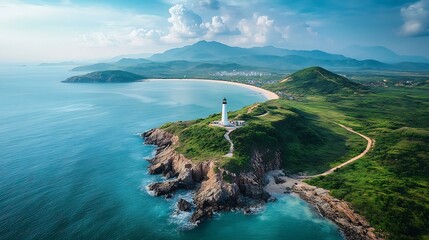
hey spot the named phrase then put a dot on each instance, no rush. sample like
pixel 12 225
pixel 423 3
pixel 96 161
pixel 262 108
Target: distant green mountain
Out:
pixel 110 76
pixel 215 51
pixel 315 80
pixel 96 67
pixel 126 62
pixel 179 62
pixel 122 63
pixel 201 51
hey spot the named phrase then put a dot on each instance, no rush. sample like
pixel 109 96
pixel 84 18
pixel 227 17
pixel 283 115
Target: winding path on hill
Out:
pixel 290 181
pixel 226 135
pixel 231 147
pixel 249 110
pixel 370 143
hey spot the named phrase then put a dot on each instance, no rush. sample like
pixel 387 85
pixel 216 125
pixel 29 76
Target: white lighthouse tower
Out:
pixel 224 120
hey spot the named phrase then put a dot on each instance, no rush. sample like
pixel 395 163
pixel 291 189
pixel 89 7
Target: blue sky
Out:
pixel 49 30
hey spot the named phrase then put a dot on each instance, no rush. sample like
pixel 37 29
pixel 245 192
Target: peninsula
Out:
pixel 317 132
pixel 108 76
pixel 199 155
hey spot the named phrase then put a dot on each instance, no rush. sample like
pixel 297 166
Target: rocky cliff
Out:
pixel 216 189
pixel 354 226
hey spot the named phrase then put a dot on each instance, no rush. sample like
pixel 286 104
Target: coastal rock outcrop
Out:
pixel 353 225
pixel 184 205
pixel 216 189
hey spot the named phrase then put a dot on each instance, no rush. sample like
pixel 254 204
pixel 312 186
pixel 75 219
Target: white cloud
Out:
pixel 45 32
pixel 217 27
pixel 50 32
pixel 185 24
pixel 133 37
pixel 416 19
pixel 259 30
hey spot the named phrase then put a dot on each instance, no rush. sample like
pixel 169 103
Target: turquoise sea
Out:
pixel 72 164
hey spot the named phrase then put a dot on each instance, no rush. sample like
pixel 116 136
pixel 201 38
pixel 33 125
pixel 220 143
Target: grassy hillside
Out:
pixel 198 140
pixel 304 141
pixel 186 69
pixel 110 76
pixel 390 186
pixel 315 80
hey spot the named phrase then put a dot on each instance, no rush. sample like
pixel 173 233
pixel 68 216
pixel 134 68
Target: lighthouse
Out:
pixel 224 120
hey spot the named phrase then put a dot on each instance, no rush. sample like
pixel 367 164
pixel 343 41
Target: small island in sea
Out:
pixel 108 76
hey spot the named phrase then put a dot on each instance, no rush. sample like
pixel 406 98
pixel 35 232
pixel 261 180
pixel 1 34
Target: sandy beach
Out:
pixel 268 94
pixel 279 188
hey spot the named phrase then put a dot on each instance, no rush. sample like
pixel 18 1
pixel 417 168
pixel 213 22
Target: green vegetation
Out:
pixel 389 186
pixel 315 80
pixel 256 66
pixel 198 140
pixel 304 142
pixel 110 76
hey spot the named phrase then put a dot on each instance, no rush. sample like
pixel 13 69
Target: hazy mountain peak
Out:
pixel 380 53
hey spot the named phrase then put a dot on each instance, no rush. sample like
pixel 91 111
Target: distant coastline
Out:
pixel 267 94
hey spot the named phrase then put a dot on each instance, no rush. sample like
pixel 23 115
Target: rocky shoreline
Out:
pixel 216 189
pixel 353 225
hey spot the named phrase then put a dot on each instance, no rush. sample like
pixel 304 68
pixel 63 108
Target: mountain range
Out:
pixel 268 58
pixel 215 51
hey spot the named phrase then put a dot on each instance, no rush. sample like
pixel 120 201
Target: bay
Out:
pixel 73 165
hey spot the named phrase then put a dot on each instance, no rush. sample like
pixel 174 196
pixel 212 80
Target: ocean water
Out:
pixel 72 164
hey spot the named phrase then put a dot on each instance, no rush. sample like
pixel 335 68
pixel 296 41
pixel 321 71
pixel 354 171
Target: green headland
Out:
pixel 108 76
pixel 389 185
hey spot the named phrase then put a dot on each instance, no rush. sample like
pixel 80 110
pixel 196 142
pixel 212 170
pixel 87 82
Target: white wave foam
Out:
pixel 74 107
pixel 182 220
pixel 150 192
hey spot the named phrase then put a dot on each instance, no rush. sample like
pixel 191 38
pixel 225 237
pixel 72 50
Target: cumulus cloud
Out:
pixel 217 27
pixel 416 19
pixel 185 24
pixel 259 30
pixel 142 37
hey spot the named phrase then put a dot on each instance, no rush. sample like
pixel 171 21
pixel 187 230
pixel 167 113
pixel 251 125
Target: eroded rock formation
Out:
pixel 216 188
pixel 353 225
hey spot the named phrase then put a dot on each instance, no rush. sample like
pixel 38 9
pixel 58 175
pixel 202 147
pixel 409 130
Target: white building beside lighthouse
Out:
pixel 224 120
